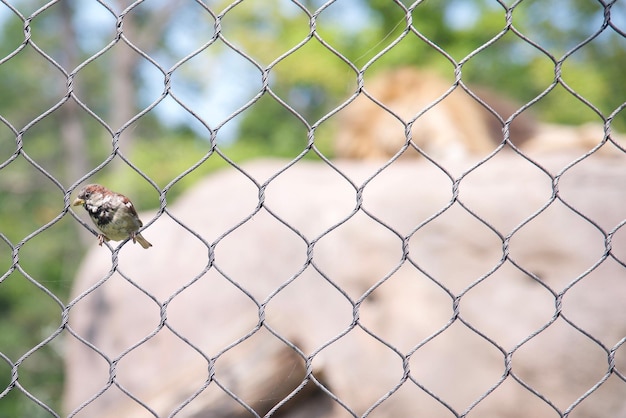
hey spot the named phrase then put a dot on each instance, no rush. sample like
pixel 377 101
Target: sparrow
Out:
pixel 113 214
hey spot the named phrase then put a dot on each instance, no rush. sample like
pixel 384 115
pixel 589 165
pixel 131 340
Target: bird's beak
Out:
pixel 78 201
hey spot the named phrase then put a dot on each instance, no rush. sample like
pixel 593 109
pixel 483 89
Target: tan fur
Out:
pixel 552 138
pixel 456 126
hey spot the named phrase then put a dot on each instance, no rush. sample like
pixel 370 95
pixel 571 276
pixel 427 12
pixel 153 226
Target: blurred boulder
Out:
pixel 389 295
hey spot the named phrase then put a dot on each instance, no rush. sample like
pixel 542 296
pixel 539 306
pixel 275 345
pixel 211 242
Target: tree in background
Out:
pixel 518 62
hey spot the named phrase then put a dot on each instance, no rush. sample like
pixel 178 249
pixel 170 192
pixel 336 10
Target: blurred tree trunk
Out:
pixel 75 152
pixel 123 89
pixel 72 131
pixel 144 30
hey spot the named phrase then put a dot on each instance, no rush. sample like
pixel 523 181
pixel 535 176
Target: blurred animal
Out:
pixel 554 138
pixel 456 127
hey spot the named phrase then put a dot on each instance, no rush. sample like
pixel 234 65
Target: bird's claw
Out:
pixel 101 239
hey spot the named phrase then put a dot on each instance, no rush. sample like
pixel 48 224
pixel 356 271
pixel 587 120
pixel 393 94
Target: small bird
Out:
pixel 113 214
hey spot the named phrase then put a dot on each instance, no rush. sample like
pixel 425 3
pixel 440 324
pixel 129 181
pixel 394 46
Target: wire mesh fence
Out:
pixel 460 259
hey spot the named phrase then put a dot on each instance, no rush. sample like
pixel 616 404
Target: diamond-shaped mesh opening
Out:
pixel 436 228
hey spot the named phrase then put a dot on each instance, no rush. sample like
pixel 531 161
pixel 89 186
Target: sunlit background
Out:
pixel 179 88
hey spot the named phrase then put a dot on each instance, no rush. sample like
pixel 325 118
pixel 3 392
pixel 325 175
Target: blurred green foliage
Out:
pixel 305 88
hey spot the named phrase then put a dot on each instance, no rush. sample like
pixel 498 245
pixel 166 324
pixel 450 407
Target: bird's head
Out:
pixel 91 194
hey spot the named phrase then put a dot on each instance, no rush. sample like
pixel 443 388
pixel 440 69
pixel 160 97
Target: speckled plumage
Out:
pixel 113 214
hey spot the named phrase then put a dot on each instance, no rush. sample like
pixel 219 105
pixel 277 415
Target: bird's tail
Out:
pixel 142 241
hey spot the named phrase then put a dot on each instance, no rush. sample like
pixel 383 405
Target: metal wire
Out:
pixel 358 188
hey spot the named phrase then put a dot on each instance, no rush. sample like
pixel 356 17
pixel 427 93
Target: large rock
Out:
pixel 383 290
